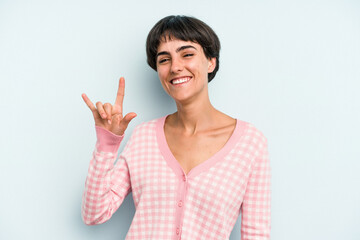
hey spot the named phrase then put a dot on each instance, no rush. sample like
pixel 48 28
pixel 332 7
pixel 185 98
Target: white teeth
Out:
pixel 180 80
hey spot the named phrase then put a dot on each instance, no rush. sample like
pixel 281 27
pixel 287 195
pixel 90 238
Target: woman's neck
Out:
pixel 194 116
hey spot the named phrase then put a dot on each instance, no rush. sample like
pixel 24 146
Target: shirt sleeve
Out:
pixel 106 185
pixel 255 217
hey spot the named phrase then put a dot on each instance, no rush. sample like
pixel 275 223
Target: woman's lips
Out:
pixel 180 80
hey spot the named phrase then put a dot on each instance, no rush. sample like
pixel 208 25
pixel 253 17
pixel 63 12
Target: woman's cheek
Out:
pixel 162 79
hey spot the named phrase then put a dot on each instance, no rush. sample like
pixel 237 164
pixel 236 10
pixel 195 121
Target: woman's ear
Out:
pixel 212 64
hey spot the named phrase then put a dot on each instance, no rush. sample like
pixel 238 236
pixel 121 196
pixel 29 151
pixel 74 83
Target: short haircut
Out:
pixel 187 29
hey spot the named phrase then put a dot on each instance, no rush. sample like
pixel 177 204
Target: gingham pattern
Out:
pixel 204 204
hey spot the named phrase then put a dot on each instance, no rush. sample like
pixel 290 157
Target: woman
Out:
pixel 192 172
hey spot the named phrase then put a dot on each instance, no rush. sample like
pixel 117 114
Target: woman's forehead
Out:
pixel 170 43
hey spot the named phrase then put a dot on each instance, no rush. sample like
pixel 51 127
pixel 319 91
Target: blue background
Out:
pixel 292 68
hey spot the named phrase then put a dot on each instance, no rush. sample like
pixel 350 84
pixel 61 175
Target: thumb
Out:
pixel 126 120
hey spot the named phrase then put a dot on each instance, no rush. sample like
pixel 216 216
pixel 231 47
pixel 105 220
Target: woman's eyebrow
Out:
pixel 185 47
pixel 177 50
pixel 162 53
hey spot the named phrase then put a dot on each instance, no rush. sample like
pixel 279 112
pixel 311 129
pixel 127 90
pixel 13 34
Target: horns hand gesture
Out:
pixel 110 116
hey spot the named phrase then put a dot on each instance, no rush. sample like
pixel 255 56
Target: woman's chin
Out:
pixel 183 99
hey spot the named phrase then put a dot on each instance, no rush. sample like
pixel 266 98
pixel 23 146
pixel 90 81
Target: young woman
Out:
pixel 192 172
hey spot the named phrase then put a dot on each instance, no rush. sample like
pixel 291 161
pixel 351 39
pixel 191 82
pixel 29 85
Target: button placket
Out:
pixel 180 203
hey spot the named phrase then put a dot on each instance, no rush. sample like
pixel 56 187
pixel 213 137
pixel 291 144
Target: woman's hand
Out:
pixel 110 116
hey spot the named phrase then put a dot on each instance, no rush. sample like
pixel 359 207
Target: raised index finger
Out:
pixel 120 93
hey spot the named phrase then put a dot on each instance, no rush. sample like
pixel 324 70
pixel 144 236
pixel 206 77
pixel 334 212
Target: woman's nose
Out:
pixel 176 65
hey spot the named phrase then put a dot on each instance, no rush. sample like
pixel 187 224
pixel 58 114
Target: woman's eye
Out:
pixel 163 60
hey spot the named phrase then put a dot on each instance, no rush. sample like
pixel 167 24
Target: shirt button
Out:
pixel 177 231
pixel 184 178
pixel 180 203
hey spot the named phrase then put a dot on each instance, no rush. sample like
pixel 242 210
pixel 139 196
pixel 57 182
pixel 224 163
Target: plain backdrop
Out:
pixel 292 68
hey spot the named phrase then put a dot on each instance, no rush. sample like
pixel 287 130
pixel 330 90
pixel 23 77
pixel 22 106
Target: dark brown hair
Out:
pixel 187 29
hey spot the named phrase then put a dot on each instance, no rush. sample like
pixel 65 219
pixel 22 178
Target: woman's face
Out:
pixel 183 69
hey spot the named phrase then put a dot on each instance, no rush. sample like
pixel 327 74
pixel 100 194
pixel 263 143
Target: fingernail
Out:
pixel 109 121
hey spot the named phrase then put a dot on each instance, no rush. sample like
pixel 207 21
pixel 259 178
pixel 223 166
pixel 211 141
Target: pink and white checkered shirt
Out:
pixel 204 204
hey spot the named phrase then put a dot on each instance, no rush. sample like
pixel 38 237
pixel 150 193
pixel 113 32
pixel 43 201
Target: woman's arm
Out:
pixel 255 219
pixel 107 184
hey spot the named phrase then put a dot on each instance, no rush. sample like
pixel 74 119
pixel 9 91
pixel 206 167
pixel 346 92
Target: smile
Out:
pixel 180 80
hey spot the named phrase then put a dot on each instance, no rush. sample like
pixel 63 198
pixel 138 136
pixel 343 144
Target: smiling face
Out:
pixel 183 69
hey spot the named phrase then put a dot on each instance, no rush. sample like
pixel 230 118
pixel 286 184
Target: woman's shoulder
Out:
pixel 252 133
pixel 148 127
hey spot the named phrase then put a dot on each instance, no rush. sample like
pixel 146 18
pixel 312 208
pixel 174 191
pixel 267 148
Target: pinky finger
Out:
pixel 90 105
pixel 88 102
